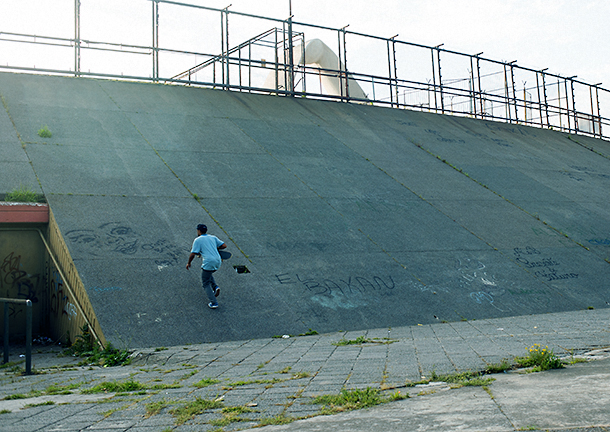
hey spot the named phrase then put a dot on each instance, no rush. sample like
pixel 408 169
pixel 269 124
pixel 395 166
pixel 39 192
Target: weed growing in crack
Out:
pixel 348 400
pixel 44 132
pixel 189 410
pixel 205 382
pixel 360 340
pixel 539 359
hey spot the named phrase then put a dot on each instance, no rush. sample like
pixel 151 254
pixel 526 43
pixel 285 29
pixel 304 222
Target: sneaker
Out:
pixel 216 291
pixel 212 306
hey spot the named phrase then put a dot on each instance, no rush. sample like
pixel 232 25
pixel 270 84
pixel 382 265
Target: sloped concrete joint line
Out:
pixel 174 173
pixel 545 283
pixel 8 113
pixel 574 140
pixel 558 231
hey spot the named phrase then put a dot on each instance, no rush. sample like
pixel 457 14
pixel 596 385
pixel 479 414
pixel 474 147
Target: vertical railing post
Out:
pixel 434 79
pixel 77 37
pixel 565 84
pixel 28 331
pixel 6 317
pixel 28 337
pixel 276 62
pixel 345 63
pixel 480 89
pixel 512 77
pixel 440 76
pixel 507 112
pixel 539 98
pixel 472 90
pixel 155 37
pixel 222 48
pixel 576 127
pixel 599 116
pixel 592 110
pixel 227 61
pixel 290 58
pixel 546 103
pixel 390 74
pixel 396 89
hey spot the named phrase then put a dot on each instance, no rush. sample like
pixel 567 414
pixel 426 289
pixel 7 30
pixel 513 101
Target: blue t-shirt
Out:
pixel 207 245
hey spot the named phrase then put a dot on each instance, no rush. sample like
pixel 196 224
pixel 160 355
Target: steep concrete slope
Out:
pixel 346 216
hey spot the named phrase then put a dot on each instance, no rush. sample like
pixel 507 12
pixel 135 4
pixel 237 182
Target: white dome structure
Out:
pixel 318 54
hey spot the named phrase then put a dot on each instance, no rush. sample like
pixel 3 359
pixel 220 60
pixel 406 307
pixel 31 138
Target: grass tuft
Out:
pixel 44 132
pixel 190 410
pixel 279 419
pixel 360 340
pixel 348 400
pixel 22 194
pixel 205 382
pixel 84 346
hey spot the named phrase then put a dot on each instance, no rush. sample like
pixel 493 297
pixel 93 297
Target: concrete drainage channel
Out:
pixel 241 269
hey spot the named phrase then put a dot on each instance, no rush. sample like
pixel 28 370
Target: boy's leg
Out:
pixel 214 286
pixel 207 281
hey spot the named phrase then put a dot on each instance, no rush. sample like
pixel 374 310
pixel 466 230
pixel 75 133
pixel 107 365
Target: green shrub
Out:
pixel 84 346
pixel 22 194
pixel 539 359
pixel 44 132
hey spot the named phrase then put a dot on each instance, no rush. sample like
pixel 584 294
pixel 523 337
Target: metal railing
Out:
pixel 391 72
pixel 28 331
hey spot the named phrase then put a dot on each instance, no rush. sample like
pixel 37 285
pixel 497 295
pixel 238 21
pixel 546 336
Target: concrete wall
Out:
pixel 27 271
pixel 23 276
pixel 347 216
pixel 69 305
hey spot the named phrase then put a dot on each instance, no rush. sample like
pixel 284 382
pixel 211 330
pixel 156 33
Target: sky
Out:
pixel 569 37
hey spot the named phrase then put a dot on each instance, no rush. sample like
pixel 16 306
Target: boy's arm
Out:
pixel 191 257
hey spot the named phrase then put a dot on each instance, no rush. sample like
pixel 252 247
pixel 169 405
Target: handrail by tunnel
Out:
pixel 28 331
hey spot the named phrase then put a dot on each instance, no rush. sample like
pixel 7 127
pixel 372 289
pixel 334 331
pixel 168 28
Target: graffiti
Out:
pixel 19 283
pixel 548 267
pixel 551 275
pixel 599 242
pixel 60 303
pixel 346 293
pixel 589 171
pixel 546 262
pixel 527 251
pixel 571 176
pixel 472 271
pixel 115 237
pixel 109 236
pixel 59 300
pixel 484 297
pixel 474 275
pixel 351 285
pixel 70 311
pixel 511 129
pixel 441 138
pixel 500 142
